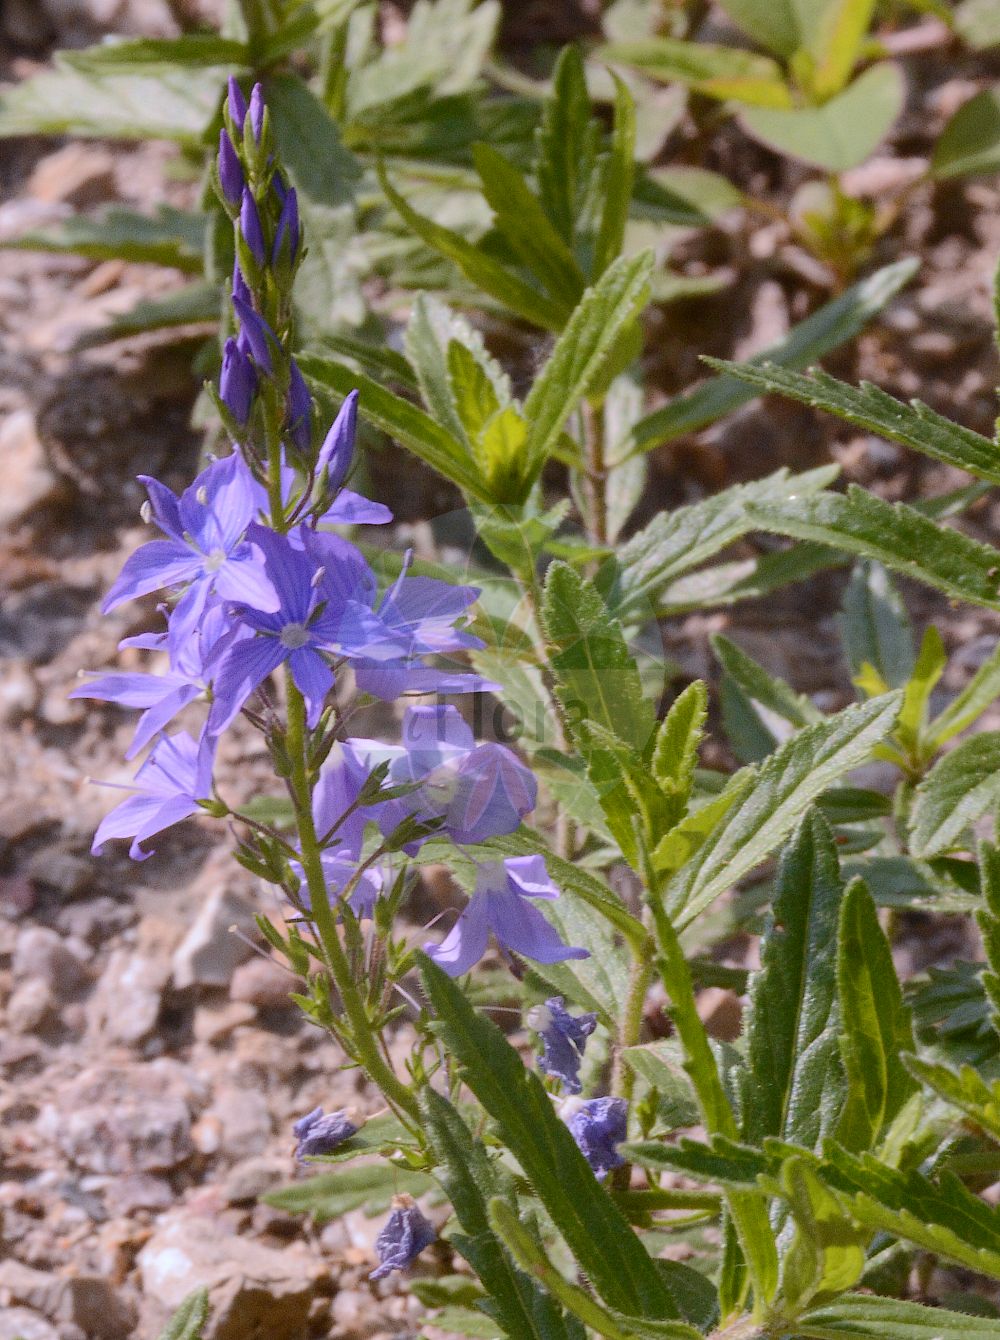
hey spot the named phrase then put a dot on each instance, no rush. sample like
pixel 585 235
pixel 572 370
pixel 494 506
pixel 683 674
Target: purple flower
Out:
pixel 257 111
pixel 255 334
pixel 237 382
pixel 317 614
pixel 237 103
pixel 287 230
pixel 598 1126
pixel 250 227
pixel 405 1235
pixel 337 451
pixel 167 789
pixel 564 1038
pixel 230 171
pixel 240 287
pixel 318 1133
pixel 298 409
pixel 351 509
pixel 206 548
pixel 499 904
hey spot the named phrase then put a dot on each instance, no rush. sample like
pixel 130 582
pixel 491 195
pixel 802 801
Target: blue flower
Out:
pixel 318 614
pixel 499 904
pixel 167 788
pixel 230 171
pixel 237 382
pixel 564 1038
pixel 598 1126
pixel 405 1235
pixel 207 550
pixel 318 1133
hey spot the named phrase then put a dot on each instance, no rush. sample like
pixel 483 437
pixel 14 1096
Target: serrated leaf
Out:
pixel 189 1320
pixel 866 406
pixel 566 144
pixel 840 133
pixel 981 692
pixel 675 752
pixel 331 1195
pixel 724 1163
pixel 875 1025
pixel 958 790
pixel 964 1088
pixel 794 1082
pixel 464 1321
pixel 171 105
pixel 870 1317
pixel 582 351
pixel 717 71
pixel 171 237
pixel 833 324
pixel 194 304
pixel 191 50
pixel 725 584
pixel 479 268
pixel 970 142
pixel 382 1134
pixel 825 1253
pixel 893 533
pixel 401 420
pixel 988 921
pixel 874 626
pixel 471 1179
pixel 786 785
pixel 762 689
pixel 675 542
pixel 679 846
pixel 595 1230
pixel 618 180
pixel 309 142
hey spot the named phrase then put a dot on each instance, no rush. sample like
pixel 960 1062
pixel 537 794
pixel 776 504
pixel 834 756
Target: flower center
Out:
pixel 215 560
pixel 294 635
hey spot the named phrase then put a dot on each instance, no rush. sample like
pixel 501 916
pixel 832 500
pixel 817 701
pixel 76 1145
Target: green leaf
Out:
pixel 331 1195
pixel 964 1088
pixel 825 1254
pixel 471 1179
pixel 170 237
pixel 680 844
pixel 867 406
pixel 840 133
pixel 978 23
pixel 191 51
pixel 794 1083
pixel 189 1319
pixel 870 1317
pixel 426 342
pixel 895 534
pixel 958 790
pixel 970 142
pixel 608 1251
pixel 981 692
pixel 716 71
pixel 526 228
pixel 834 32
pixel 619 178
pixel 597 675
pixel 194 304
pixel 659 1064
pixel 875 1026
pixel 874 626
pixel 675 542
pixel 582 351
pixel 170 105
pixel 675 753
pixel 464 1321
pixel 566 144
pixel 309 143
pixel 786 785
pixel 399 419
pixel 383 1134
pixel 479 268
pixel 773 25
pixel 762 688
pixel 833 324
pixel 724 584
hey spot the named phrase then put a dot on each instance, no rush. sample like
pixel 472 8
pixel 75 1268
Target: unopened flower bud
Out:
pixel 287 231
pixel 230 171
pixel 255 335
pixel 238 382
pixel 250 227
pixel 298 424
pixel 257 112
pixel 237 103
pixel 337 451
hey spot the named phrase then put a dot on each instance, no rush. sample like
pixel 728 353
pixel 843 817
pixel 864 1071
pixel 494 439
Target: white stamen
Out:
pixel 202 496
pixel 146 511
pixel 317 577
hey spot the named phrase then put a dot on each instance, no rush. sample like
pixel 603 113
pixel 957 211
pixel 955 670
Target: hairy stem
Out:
pixel 596 478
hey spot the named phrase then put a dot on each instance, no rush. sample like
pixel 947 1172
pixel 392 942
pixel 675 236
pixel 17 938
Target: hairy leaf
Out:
pixel 330 1195
pixel 870 1317
pixel 958 790
pixel 874 626
pixel 981 692
pixel 189 1320
pixel 170 237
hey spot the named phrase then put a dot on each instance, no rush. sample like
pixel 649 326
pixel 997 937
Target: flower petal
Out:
pixel 155 565
pixel 164 506
pixel 521 927
pixel 351 509
pixel 245 665
pixel 243 580
pixel 466 942
pixel 314 679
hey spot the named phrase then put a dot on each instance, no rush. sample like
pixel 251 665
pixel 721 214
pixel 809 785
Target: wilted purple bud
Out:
pixel 318 1133
pixel 564 1038
pixel 230 172
pixel 257 111
pixel 337 451
pixel 405 1235
pixel 238 382
pixel 250 227
pixel 255 334
pixel 598 1126
pixel 298 408
pixel 237 103
pixel 288 226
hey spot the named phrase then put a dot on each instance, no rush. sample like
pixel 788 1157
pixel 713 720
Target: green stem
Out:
pixel 363 1037
pixel 630 1027
pixel 597 475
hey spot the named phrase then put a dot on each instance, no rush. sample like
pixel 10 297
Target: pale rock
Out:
pixel 25 25
pixel 82 1300
pixel 249 1180
pixel 210 952
pixel 126 1004
pixel 17 1323
pixel 244 1120
pixel 40 954
pixel 125 1119
pixel 253 1289
pixel 77 174
pixel 30 1006
pixel 215 1024
pixel 142 1191
pixel 263 982
pixel 18 692
pixel 65 872
pixel 28 480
